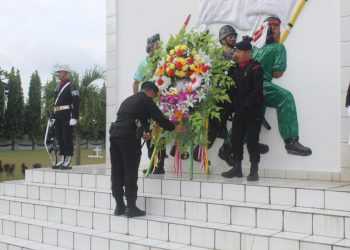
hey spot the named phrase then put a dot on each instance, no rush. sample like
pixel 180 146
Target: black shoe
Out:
pixel 63 167
pixel 185 156
pixel 263 148
pixel 55 167
pixel 226 154
pixel 134 212
pixel 294 147
pixel 119 211
pixel 159 170
pixel 172 150
pixel 236 171
pixel 253 175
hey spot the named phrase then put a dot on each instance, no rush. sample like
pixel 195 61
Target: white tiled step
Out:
pixel 205 235
pixel 13 243
pixel 282 218
pixel 303 193
pixel 79 238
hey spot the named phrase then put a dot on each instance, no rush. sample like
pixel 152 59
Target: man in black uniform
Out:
pixel 125 146
pixel 66 115
pixel 248 104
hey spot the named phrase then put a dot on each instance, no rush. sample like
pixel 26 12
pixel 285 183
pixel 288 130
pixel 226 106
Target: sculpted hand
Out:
pixel 146 136
pixel 73 122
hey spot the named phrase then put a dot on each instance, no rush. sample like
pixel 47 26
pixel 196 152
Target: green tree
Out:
pixel 14 114
pixel 33 109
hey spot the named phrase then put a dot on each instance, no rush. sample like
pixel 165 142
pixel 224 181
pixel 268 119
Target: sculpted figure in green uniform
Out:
pixel 272 57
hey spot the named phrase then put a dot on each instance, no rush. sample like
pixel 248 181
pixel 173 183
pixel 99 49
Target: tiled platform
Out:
pixel 74 210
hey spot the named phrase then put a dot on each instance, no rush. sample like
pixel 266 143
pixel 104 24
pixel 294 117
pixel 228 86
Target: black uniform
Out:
pixel 66 106
pixel 347 102
pixel 248 105
pixel 125 148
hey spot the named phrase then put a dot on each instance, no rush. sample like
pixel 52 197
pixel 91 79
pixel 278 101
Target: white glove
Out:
pixel 73 122
pixel 52 122
pixel 348 110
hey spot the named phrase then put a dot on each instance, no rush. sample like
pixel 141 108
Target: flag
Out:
pixel 225 11
pixel 243 14
pixel 279 8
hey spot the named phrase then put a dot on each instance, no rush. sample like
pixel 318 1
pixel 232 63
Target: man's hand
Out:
pixel 73 122
pixel 146 136
pixel 52 122
pixel 180 128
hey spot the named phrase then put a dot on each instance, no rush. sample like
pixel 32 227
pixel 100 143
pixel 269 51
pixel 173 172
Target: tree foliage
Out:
pixel 33 108
pixel 14 114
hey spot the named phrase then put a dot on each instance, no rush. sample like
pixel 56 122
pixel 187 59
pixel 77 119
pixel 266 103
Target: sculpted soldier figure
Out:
pixel 272 57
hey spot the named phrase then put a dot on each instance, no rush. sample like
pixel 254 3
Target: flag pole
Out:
pixel 293 20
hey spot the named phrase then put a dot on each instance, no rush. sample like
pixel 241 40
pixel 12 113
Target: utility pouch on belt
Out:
pixel 113 125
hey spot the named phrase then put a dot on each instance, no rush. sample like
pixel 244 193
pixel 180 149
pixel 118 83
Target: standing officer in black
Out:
pixel 125 146
pixel 66 115
pixel 248 104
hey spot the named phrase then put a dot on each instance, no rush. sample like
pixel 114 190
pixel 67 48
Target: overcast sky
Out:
pixel 37 34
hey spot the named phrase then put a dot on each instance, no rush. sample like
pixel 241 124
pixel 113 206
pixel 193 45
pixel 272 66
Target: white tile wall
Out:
pixel 72 196
pixel 27 210
pixel 101 222
pixel 21 191
pixel 49 177
pixel 202 237
pixel 285 244
pixel 45 194
pixel 233 192
pixel 219 213
pixel 243 216
pixel 225 240
pixel 75 179
pixel 270 219
pixel 38 176
pixel 282 196
pixel 174 208
pixel 103 200
pixel 347 228
pixel 313 246
pixel 62 178
pixel 87 198
pixel 98 243
pixel 89 180
pixel 310 198
pixel 33 192
pixel 58 195
pixel 253 242
pixel 337 200
pixel 180 233
pixel 138 227
pixel 153 186
pixel 190 188
pixel 40 212
pixel 54 214
pixel 158 230
pixel 22 231
pixel 118 245
pixel 65 239
pixel 81 241
pixel 328 226
pixel 50 236
pixel 10 189
pixel 103 181
pixel 15 208
pixel 298 222
pixel 211 190
pixel 196 211
pixel 119 224
pixel 84 219
pixel 171 187
pixel 257 194
pixel 4 207
pixel 155 206
pixel 35 233
pixel 69 217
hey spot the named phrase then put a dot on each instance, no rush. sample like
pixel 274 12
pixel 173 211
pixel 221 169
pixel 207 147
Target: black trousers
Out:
pixel 125 158
pixel 161 153
pixel 246 128
pixel 64 136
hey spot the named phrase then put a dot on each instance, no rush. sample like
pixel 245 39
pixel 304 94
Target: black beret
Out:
pixel 150 85
pixel 243 45
pixel 153 39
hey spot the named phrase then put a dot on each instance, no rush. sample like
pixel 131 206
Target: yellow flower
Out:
pixel 192 67
pixel 183 47
pixel 172 66
pixel 181 60
pixel 177 47
pixel 172 52
pixel 194 52
pixel 185 67
pixel 168 58
pixel 180 73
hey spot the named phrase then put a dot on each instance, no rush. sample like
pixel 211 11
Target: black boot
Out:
pixel 132 210
pixel 225 153
pixel 172 150
pixel 294 147
pixel 120 206
pixel 236 171
pixel 263 148
pixel 253 175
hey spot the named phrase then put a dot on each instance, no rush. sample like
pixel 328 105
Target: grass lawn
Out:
pixel 39 156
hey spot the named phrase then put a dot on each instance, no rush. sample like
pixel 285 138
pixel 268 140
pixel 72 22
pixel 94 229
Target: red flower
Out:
pixel 171 59
pixel 193 80
pixel 160 82
pixel 190 60
pixel 205 68
pixel 179 65
pixel 171 72
pixel 179 52
pixel 188 73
